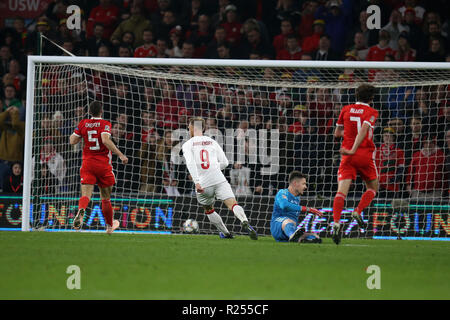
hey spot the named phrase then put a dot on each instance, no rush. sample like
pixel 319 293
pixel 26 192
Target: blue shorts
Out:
pixel 277 231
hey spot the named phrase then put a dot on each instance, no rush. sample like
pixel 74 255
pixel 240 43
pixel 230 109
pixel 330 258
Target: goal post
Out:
pixel 27 165
pixel 271 117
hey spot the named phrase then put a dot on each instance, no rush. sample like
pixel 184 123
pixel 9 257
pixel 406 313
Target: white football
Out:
pixel 190 226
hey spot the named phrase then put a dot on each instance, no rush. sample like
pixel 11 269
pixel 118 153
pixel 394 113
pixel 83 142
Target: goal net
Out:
pixel 270 117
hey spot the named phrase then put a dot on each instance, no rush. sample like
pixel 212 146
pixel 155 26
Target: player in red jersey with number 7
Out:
pixel 96 167
pixel 355 124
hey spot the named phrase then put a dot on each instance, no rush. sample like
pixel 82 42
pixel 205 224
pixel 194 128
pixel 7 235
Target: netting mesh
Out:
pixel 269 122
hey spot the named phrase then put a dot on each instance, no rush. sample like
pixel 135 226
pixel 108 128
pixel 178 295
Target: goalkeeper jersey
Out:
pixel 286 205
pixel 205 160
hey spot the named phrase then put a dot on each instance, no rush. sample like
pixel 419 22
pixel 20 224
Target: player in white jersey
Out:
pixel 205 161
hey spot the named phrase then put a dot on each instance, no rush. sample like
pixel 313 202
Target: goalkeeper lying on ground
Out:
pixel 286 210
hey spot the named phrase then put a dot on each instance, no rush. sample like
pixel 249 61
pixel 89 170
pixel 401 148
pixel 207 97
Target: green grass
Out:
pixel 134 266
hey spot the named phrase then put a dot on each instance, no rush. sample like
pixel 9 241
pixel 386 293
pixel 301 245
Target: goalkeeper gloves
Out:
pixel 312 210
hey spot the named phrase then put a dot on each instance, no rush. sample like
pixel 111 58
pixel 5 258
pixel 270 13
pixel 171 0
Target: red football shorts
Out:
pixel 102 175
pixel 364 165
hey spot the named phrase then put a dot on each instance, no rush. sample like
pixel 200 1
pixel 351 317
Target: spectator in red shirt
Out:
pixel 320 108
pixel 168 109
pixel 105 13
pixel 305 28
pixel 16 77
pixel 148 49
pixel 232 25
pixel 426 171
pixel 379 51
pixel 292 51
pixel 280 40
pixel 300 119
pixel 390 162
pixel 311 43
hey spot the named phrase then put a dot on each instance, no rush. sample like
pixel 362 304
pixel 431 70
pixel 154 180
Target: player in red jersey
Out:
pixel 96 167
pixel 355 125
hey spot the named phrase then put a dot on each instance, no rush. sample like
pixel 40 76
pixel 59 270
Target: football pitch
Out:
pixel 33 265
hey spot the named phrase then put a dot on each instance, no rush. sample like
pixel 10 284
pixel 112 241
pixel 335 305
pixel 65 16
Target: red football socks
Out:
pixel 366 199
pixel 83 202
pixel 107 211
pixel 338 206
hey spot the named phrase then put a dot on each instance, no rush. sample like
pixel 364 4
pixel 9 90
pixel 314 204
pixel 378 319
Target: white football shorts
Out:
pixel 220 191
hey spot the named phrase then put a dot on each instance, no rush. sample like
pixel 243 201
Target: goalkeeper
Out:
pixel 286 210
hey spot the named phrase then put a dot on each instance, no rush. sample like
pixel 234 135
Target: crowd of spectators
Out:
pixel 412 136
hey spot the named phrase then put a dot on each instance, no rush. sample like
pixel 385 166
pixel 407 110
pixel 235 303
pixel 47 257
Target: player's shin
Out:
pixel 366 199
pixel 239 212
pixel 82 205
pixel 289 229
pixel 338 206
pixel 83 202
pixel 216 220
pixel 107 211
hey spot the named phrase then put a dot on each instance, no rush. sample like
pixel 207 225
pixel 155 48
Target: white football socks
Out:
pixel 216 220
pixel 239 213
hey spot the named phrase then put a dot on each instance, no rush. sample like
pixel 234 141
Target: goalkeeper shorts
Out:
pixel 277 231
